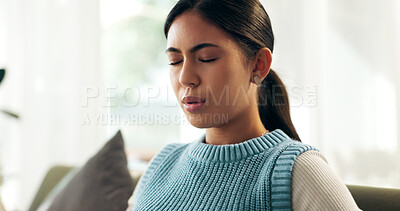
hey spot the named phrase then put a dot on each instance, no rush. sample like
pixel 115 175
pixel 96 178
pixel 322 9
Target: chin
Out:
pixel 207 120
pixel 201 125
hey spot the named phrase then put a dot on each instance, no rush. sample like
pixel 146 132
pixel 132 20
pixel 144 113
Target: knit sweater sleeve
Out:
pixel 315 186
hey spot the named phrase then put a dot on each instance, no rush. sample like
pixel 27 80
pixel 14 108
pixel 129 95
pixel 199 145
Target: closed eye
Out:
pixel 208 60
pixel 175 63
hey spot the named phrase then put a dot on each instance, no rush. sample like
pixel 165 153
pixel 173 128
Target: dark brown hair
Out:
pixel 247 22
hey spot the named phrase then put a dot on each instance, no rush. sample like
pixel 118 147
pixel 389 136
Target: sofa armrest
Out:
pixel 374 198
pixel 53 176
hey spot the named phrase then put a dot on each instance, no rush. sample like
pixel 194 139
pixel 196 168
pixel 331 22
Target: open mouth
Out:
pixel 192 104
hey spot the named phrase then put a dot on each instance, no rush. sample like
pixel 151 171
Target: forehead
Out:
pixel 190 28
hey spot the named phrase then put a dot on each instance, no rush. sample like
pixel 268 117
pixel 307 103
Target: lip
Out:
pixel 192 103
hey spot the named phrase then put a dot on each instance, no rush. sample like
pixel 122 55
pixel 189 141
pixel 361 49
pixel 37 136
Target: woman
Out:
pixel 251 157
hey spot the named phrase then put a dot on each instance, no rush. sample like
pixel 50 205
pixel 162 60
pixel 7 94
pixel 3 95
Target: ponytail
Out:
pixel 273 106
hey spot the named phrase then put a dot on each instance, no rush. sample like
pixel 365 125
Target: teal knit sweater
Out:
pixel 252 175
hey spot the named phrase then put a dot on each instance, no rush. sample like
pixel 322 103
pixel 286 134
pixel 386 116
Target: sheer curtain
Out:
pixel 339 60
pixel 51 51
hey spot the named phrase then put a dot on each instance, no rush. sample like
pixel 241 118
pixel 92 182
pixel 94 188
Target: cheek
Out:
pixel 232 85
pixel 225 87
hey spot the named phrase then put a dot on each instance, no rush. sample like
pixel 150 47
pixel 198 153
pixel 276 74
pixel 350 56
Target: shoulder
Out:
pixel 156 162
pixel 282 160
pixel 315 186
pixel 289 150
pixel 162 155
pixel 310 158
pixel 166 150
pixel 285 155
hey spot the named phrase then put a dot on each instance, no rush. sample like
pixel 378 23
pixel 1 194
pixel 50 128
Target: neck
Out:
pixel 237 130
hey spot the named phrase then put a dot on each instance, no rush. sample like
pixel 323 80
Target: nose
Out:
pixel 188 76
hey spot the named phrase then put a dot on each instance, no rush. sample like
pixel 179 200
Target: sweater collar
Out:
pixel 236 152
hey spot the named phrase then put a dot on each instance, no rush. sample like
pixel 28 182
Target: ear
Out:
pixel 262 63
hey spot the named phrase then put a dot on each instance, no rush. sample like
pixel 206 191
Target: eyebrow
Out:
pixel 192 50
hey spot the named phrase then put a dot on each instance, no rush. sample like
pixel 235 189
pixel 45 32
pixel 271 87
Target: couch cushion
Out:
pixel 104 182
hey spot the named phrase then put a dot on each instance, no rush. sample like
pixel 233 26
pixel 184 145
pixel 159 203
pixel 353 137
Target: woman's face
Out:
pixel 209 73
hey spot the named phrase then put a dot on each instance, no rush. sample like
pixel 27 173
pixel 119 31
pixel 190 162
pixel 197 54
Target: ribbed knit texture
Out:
pixel 252 175
pixel 316 187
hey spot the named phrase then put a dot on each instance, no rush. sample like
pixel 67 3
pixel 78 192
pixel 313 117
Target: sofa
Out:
pixel 367 198
pixel 105 183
